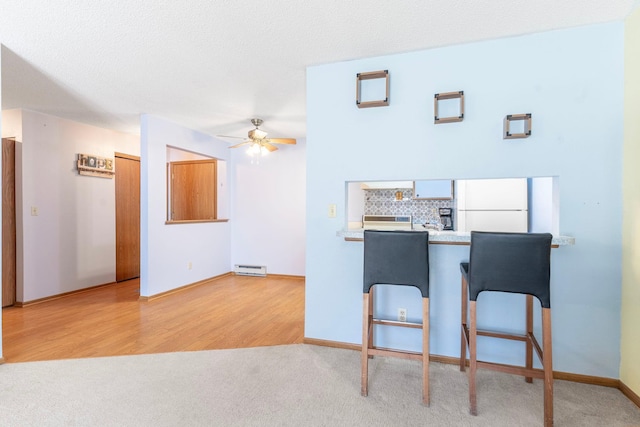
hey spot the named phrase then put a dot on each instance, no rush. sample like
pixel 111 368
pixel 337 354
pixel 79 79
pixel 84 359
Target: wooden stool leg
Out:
pixel 371 328
pixel 547 366
pixel 473 407
pixel 364 356
pixel 529 344
pixel 425 351
pixel 463 322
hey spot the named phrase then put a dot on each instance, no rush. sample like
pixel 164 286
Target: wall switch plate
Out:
pixel 189 265
pixel 402 315
pixel 333 210
pixel 34 211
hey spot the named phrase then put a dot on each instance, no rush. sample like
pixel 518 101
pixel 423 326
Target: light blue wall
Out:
pixel 572 83
pixel 167 249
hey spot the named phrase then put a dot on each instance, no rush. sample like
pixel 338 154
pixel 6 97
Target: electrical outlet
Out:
pixel 333 211
pixel 189 265
pixel 402 315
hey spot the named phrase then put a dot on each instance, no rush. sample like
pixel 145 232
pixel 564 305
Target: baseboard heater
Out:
pixel 250 270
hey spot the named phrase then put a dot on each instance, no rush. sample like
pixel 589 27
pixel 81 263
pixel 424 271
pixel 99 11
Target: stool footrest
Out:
pixel 512 369
pixel 397 323
pixel 524 338
pixel 503 335
pixel 402 354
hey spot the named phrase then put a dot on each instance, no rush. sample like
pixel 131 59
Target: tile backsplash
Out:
pixel 383 202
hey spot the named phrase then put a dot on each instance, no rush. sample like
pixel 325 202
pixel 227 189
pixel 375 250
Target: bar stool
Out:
pixel 395 258
pixel 517 263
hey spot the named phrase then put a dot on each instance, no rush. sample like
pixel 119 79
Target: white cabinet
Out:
pixel 507 221
pixel 492 194
pixel 492 205
pixel 435 189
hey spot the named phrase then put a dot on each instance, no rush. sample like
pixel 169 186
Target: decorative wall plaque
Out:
pixel 91 165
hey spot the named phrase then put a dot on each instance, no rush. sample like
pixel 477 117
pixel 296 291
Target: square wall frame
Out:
pixel 513 117
pixel 448 95
pixel 384 74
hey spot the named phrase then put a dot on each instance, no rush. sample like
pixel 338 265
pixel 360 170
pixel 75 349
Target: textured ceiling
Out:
pixel 213 64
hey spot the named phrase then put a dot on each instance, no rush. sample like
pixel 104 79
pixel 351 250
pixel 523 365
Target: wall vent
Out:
pixel 250 270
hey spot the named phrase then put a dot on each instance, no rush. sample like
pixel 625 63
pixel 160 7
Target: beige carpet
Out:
pixel 294 385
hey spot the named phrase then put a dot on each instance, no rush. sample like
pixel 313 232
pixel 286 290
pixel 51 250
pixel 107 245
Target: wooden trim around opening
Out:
pixel 126 156
pixel 182 288
pixel 565 376
pixel 192 221
pixel 284 276
pixel 631 395
pixel 202 282
pixel 58 296
pixel 348 346
pixel 20 304
pixel 332 344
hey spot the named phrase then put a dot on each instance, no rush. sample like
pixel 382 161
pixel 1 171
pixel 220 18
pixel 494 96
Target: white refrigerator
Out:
pixel 492 205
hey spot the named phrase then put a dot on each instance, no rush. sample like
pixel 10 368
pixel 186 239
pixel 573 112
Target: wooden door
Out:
pixel 127 217
pixel 8 222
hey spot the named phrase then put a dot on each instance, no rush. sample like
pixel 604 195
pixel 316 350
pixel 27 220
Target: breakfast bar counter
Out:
pixel 445 237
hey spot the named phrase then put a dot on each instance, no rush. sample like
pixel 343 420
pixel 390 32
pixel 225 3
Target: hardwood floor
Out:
pixel 227 312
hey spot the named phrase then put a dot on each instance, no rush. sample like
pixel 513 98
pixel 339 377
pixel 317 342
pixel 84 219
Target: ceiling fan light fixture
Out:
pixel 257 134
pixel 258 144
pixel 257 149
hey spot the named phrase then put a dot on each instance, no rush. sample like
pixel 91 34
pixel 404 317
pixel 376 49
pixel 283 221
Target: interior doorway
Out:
pixel 127 216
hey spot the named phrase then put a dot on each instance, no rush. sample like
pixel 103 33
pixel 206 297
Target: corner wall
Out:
pixel 572 83
pixel 165 249
pixel 630 347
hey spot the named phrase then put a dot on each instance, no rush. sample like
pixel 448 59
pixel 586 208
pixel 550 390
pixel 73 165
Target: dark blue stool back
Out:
pixel 509 262
pixel 396 258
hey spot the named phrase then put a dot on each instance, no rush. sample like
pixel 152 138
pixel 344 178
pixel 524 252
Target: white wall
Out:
pixel 355 204
pixel 165 249
pixel 572 83
pixel 12 124
pixel 70 244
pixel 268 212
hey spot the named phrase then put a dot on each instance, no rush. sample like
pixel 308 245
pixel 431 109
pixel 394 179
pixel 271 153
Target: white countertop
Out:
pixel 446 237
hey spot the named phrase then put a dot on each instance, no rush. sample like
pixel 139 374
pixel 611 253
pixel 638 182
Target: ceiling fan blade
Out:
pixel 268 146
pixel 282 140
pixel 227 136
pixel 241 144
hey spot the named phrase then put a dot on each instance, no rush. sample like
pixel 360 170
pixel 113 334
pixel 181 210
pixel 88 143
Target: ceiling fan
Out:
pixel 258 142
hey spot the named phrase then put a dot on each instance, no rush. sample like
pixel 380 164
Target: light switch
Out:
pixel 333 211
pixel 34 211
